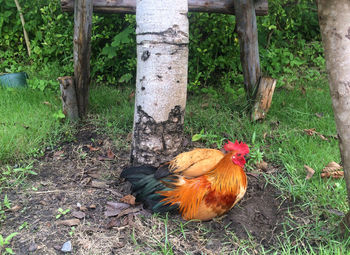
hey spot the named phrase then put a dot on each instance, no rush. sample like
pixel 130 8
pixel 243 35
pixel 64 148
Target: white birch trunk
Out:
pixel 334 19
pixel 161 80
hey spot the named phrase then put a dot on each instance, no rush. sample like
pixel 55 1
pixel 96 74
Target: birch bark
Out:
pixel 161 80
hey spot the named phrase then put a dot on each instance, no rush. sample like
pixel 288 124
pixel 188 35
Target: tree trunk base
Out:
pixel 345 225
pixel 69 97
pixel 156 143
pixel 263 97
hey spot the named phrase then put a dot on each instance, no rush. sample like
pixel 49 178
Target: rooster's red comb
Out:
pixel 238 147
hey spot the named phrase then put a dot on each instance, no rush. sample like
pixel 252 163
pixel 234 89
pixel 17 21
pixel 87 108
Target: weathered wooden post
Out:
pixel 248 40
pixel 258 89
pixel 82 52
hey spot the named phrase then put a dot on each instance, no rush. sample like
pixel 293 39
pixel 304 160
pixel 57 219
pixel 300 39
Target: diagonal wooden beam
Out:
pixel 129 6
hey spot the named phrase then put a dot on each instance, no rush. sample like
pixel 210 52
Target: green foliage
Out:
pixel 289 40
pixel 5 242
pixel 61 212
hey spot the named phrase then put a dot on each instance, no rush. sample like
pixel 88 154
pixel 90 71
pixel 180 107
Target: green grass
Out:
pixel 27 123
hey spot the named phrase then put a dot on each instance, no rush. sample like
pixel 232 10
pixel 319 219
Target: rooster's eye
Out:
pixel 239 154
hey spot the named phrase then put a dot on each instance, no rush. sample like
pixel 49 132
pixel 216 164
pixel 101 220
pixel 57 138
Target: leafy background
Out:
pixel 289 38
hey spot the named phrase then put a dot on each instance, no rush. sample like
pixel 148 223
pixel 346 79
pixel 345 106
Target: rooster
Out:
pixel 201 184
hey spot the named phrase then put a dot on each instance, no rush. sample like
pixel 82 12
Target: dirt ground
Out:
pixel 83 176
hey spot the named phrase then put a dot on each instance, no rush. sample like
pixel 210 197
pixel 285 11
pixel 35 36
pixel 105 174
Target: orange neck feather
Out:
pixel 226 176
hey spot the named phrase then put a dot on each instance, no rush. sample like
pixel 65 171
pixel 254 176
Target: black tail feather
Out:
pixel 144 186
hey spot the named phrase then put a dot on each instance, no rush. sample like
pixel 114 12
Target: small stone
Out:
pixel 33 247
pixel 67 247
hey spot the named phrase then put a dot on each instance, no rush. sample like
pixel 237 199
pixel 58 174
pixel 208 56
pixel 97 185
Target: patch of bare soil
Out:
pixel 76 184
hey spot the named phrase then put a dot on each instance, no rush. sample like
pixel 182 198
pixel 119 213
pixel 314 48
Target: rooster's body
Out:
pixel 201 184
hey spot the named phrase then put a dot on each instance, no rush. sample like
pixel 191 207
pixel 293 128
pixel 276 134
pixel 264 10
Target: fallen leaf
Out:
pixel 129 137
pixel 334 174
pixel 92 206
pixel 310 131
pixel 70 222
pixel 58 153
pixel 319 114
pixel 15 208
pixel 78 214
pixel 91 148
pixel 85 181
pixel 99 184
pixel 47 103
pixel 132 95
pixel 116 205
pixel 205 105
pixel 113 208
pixel 262 165
pixel 332 166
pixel 129 199
pixel 113 223
pixel 101 158
pixel 309 172
pixel 95 175
pixel 336 212
pixel 110 154
pixel 322 137
pixel 128 211
pixel 83 208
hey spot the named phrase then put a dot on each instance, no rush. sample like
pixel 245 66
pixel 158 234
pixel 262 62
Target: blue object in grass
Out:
pixel 14 80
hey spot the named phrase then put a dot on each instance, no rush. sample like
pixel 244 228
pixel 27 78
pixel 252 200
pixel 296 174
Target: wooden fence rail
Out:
pixel 129 6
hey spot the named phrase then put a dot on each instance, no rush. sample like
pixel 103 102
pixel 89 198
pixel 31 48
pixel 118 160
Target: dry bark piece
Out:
pixel 332 166
pixel 128 199
pixel 309 172
pixel 70 222
pixel 263 98
pixel 69 97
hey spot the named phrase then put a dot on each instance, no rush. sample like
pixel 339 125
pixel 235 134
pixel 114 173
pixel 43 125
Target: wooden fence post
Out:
pixel 82 52
pixel 248 41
